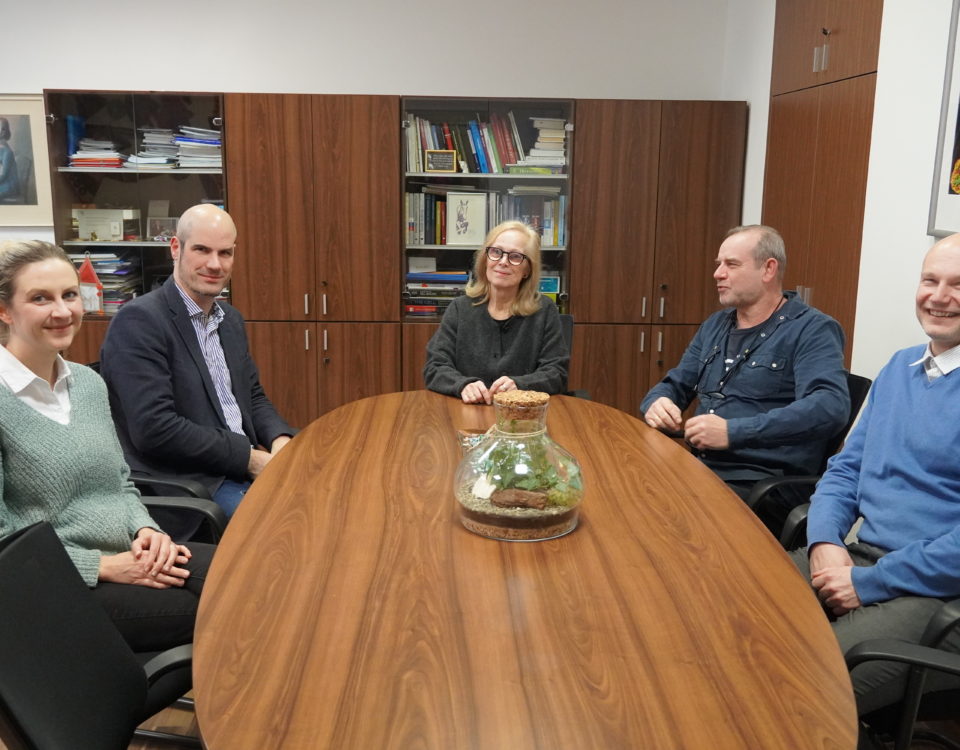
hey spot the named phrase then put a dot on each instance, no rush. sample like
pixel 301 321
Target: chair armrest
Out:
pixel 168 661
pixel 794 526
pixel 760 490
pixel 212 513
pixel 192 487
pixel 890 649
pixel 943 622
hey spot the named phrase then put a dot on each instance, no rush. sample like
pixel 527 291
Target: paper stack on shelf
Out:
pixel 199 148
pixel 96 153
pixel 157 150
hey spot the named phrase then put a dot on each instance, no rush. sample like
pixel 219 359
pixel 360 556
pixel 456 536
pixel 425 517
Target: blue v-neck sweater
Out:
pixel 900 470
pixel 73 475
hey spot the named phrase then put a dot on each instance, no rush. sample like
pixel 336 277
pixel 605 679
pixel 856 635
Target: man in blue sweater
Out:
pixel 899 472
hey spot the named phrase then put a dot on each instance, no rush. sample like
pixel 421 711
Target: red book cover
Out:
pixel 448 136
pixel 508 154
pixel 91 290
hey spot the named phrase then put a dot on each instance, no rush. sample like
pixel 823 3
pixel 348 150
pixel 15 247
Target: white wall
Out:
pixel 631 49
pixel 906 117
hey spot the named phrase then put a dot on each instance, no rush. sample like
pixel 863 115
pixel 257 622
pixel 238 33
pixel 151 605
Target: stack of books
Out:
pixel 119 275
pixel 549 150
pixel 199 148
pixel 429 293
pixel 157 150
pixel 96 153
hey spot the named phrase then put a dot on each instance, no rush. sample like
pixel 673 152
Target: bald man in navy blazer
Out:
pixel 184 390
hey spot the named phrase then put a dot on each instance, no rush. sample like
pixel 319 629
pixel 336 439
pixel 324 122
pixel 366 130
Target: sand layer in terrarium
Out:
pixel 483 517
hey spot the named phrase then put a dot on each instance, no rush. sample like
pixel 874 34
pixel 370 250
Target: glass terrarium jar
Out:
pixel 518 484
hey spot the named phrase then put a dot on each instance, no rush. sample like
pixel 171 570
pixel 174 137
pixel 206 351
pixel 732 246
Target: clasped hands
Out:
pixel 703 432
pixel 154 560
pixel 831 575
pixel 477 393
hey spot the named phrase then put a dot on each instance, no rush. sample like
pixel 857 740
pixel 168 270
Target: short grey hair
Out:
pixel 769 245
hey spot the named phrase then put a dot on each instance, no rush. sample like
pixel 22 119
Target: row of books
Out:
pixel 493 147
pixel 120 276
pixel 430 212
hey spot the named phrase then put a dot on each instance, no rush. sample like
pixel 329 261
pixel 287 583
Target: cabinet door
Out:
pixel 268 144
pixel 667 345
pixel 610 362
pixel 789 177
pixel 613 212
pixel 415 338
pixel 356 165
pixel 832 267
pixel 854 38
pixel 699 197
pixel 796 33
pixel 357 360
pixel 86 344
pixel 286 356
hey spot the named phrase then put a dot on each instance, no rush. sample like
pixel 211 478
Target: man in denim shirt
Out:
pixel 768 372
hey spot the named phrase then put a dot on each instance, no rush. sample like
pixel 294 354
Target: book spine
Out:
pixel 487 132
pixel 447 136
pixel 516 135
pixel 472 153
pixel 478 146
pixel 504 140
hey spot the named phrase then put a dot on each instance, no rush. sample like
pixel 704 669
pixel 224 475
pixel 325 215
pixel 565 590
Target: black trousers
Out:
pixel 157 619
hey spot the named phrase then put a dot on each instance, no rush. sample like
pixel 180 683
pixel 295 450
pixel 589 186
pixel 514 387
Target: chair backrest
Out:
pixel 67 680
pixel 566 328
pixel 858 386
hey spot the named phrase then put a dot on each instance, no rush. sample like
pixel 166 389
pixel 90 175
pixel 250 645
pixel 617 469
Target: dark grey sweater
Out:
pixel 470 345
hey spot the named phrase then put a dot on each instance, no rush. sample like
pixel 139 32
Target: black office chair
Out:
pixel 181 505
pixel 764 491
pixel 68 680
pixel 898 720
pixel 566 327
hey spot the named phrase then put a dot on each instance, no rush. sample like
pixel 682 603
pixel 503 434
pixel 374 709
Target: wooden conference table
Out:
pixel 348 608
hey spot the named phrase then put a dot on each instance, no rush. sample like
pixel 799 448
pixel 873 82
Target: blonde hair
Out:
pixel 14 256
pixel 527 301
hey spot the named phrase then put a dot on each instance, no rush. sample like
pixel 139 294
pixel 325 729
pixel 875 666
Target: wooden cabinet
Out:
pixel 318 241
pixel 649 213
pixel 613 212
pixel 270 148
pixel 821 41
pixel 414 353
pixel 86 344
pixel 818 151
pixel 286 356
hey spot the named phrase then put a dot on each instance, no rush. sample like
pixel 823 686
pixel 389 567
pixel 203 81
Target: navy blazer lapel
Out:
pixel 188 335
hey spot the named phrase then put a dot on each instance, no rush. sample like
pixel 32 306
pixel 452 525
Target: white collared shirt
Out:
pixel 940 364
pixel 36 392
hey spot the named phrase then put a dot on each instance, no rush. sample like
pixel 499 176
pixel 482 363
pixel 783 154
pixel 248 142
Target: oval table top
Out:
pixel 348 608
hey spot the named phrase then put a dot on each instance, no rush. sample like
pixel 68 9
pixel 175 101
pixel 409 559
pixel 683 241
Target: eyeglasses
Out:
pixel 513 258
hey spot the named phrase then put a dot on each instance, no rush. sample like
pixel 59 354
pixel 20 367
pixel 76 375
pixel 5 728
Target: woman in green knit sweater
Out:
pixel 60 460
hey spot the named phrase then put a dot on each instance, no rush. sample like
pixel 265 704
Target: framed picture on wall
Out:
pixel 24 176
pixel 945 199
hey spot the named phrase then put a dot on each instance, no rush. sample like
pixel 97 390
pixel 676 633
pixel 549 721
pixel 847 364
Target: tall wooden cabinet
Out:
pixel 818 148
pixel 318 243
pixel 648 215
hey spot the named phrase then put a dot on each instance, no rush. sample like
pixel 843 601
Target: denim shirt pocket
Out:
pixel 765 374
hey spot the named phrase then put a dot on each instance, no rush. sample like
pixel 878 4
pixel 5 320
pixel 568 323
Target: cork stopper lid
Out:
pixel 521 398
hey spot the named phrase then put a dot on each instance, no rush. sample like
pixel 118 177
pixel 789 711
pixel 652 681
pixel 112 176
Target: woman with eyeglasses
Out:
pixel 502 334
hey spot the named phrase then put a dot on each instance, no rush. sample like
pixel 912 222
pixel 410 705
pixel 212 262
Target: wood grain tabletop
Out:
pixel 348 608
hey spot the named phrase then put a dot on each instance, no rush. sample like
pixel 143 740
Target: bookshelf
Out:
pixel 468 165
pixel 104 204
